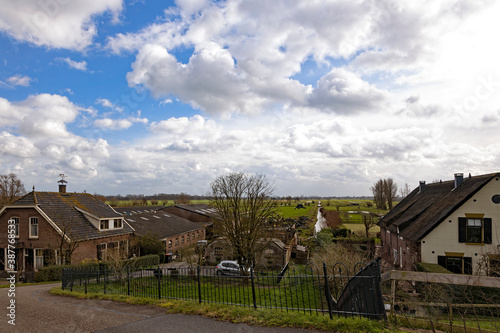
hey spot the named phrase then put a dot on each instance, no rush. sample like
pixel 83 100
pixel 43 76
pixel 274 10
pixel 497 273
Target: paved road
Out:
pixel 38 311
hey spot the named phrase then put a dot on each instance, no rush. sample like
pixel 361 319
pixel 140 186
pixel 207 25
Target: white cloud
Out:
pixel 19 80
pixel 166 101
pixel 39 115
pixel 55 24
pixel 107 103
pixel 79 65
pixel 119 124
pixel 114 124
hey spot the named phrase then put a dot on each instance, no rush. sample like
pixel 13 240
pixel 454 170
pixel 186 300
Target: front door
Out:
pixel 28 260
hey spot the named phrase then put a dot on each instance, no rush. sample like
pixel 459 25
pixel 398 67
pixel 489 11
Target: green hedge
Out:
pixel 54 273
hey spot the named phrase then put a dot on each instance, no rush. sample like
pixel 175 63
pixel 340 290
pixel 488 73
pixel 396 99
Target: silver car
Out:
pixel 227 267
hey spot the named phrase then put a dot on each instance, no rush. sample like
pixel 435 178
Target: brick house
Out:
pixel 175 232
pixel 272 252
pixel 455 224
pixel 48 223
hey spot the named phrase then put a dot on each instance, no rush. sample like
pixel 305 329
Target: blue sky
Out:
pixel 323 97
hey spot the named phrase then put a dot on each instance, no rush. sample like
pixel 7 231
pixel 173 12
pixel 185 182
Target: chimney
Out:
pixel 421 186
pixel 62 184
pixel 459 179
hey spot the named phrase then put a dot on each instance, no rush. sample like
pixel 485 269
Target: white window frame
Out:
pixel 118 224
pixel 37 258
pixel 32 219
pixel 17 225
pixel 106 224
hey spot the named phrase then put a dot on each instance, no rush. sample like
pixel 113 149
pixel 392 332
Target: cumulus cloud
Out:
pixel 39 115
pixel 343 92
pixel 55 24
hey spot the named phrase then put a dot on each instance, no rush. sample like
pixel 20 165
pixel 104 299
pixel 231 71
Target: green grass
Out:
pixel 359 229
pixel 247 315
pixel 298 292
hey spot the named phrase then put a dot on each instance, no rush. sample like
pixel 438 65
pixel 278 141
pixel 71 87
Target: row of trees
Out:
pixel 384 192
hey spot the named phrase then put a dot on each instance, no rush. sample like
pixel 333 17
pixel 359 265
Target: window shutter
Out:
pixel 487 230
pixel 468 265
pixel 442 261
pixel 462 229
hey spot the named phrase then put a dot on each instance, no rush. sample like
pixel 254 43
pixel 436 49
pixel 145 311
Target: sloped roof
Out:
pixel 201 209
pixel 161 224
pixel 132 210
pixel 421 211
pixel 65 210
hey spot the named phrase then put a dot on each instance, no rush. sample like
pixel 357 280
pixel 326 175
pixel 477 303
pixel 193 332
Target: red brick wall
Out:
pixel 409 251
pixel 186 242
pixel 48 237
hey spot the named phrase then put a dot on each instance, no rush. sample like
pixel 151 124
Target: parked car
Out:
pixel 227 267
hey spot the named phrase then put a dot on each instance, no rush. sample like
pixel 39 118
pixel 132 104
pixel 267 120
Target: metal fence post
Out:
pixel 104 279
pixel 128 280
pixel 159 282
pixel 253 288
pixel 199 282
pixel 327 291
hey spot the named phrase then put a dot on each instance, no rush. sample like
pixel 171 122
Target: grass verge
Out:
pixel 250 316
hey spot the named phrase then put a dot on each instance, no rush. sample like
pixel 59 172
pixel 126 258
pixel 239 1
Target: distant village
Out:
pixel 452 224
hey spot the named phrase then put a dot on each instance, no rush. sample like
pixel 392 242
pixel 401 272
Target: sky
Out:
pixel 323 97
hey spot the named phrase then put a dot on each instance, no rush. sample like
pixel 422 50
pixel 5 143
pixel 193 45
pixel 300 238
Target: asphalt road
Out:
pixel 38 311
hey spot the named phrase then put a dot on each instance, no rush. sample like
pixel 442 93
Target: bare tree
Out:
pixel 244 206
pixel 390 190
pixel 369 220
pixel 11 188
pixel 378 194
pixel 384 191
pixel 404 191
pixel 183 199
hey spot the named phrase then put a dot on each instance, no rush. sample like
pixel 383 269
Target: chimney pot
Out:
pixel 62 185
pixel 421 186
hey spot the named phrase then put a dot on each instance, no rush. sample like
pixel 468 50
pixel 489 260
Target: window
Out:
pixel 101 251
pixel 182 239
pixel 104 224
pixel 57 254
pixel 38 258
pixel 16 223
pixel 170 243
pixel 176 241
pixel 474 230
pixel 118 224
pixel 124 247
pixel 218 251
pixel 34 227
pixel 188 238
pixel 456 264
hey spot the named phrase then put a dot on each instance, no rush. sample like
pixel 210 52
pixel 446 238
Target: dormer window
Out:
pixel 118 224
pixel 104 224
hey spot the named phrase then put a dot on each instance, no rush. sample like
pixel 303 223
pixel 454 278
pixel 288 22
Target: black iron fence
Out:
pixel 291 288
